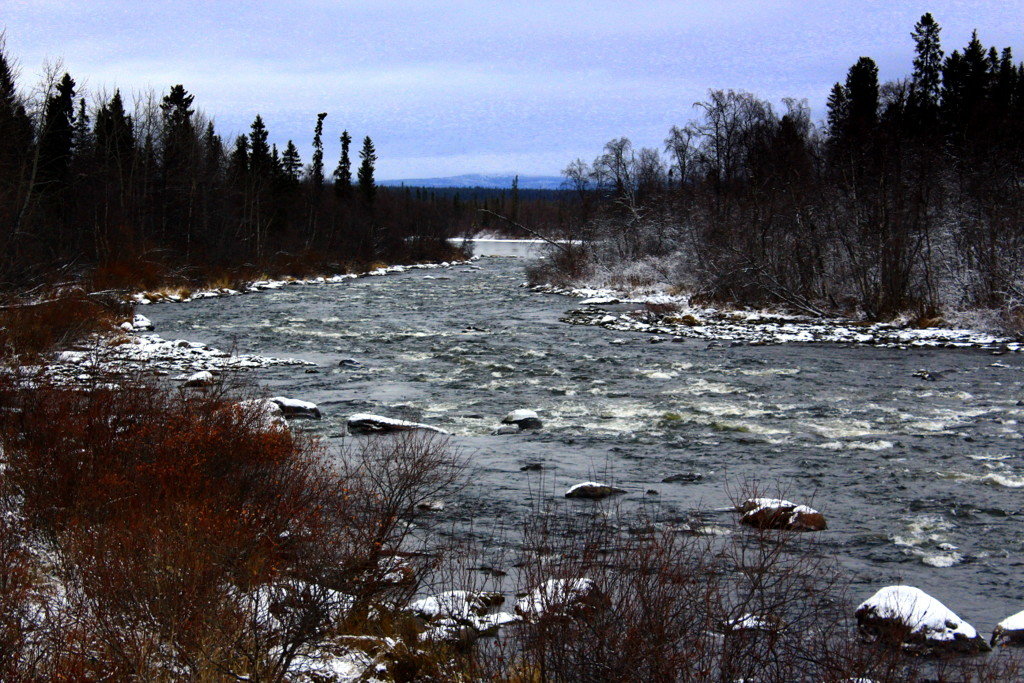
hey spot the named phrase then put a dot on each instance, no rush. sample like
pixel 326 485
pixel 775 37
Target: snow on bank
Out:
pixel 145 298
pixel 147 353
pixel 683 321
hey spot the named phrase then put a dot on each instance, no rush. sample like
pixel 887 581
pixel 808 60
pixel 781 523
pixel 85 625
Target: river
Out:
pixel 921 481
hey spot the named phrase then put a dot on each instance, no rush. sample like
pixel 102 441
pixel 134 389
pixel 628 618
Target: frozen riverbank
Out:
pixel 661 314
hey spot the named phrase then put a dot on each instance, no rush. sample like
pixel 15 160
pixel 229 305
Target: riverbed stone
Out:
pixel 592 490
pixel 908 618
pixel 364 423
pixel 295 408
pixel 1009 631
pixel 203 378
pixel 683 478
pixel 524 419
pixel 774 513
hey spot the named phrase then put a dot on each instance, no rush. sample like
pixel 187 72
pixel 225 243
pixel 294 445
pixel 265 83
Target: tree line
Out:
pixel 143 189
pixel 909 198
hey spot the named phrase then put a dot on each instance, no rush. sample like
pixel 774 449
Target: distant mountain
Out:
pixel 495 182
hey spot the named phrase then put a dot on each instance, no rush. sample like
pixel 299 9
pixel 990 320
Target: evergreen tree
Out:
pixel 926 81
pixel 343 174
pixel 260 162
pixel 82 142
pixel 115 141
pixel 291 161
pixel 838 111
pixel 862 90
pixel 316 172
pixel 56 138
pixel 15 144
pixel 368 157
pixel 178 131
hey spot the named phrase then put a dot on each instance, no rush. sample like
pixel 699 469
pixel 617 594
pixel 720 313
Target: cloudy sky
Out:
pixel 478 86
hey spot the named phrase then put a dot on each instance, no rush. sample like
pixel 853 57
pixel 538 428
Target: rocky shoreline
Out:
pixel 671 318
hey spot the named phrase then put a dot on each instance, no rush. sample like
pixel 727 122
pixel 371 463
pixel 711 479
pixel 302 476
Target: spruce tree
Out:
pixel 260 161
pixel 115 141
pixel 838 111
pixel 291 161
pixel 862 89
pixel 343 174
pixel 926 81
pixel 368 157
pixel 56 138
pixel 316 172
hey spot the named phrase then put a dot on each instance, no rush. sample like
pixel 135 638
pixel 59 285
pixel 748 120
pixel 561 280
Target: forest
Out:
pixel 143 190
pixel 907 201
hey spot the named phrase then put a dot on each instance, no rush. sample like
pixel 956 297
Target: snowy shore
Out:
pixel 674 317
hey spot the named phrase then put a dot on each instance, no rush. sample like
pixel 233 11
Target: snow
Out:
pixel 585 485
pixel 270 413
pixel 758 327
pixel 99 358
pixel 922 613
pixel 456 604
pixel 146 298
pixel 200 379
pixel 392 422
pixel 1012 623
pixel 519 415
pixel 553 594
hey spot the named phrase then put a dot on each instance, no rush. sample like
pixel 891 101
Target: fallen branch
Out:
pixel 564 249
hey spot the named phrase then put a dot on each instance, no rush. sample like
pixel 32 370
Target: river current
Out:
pixel 921 481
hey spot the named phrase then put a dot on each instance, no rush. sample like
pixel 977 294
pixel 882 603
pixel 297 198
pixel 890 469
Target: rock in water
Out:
pixel 1009 631
pixel 592 490
pixel 563 597
pixel 141 323
pixel 271 416
pixel 772 513
pixel 684 478
pixel 293 407
pixel 524 419
pixel 200 379
pixel 907 617
pixel 363 423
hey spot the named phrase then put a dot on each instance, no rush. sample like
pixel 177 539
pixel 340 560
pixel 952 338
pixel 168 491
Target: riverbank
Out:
pixel 665 315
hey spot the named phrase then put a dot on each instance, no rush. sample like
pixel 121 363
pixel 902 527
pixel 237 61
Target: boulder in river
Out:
pixel 559 597
pixel 141 323
pixel 203 378
pixel 364 423
pixel 684 478
pixel 270 415
pixel 294 408
pixel 1009 631
pixel 505 430
pixel 773 513
pixel 592 490
pixel 909 618
pixel 524 419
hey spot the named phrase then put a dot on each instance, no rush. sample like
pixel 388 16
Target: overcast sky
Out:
pixel 477 86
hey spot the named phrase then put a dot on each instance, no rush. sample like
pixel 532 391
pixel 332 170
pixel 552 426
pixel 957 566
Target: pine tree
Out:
pixel 82 141
pixel 343 174
pixel 15 143
pixel 368 157
pixel 178 131
pixel 316 172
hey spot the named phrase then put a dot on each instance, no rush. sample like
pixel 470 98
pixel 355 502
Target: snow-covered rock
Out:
pixel 203 378
pixel 524 419
pixel 1009 631
pixel 559 597
pixel 293 407
pixel 909 617
pixel 773 513
pixel 592 490
pixel 141 323
pixel 456 604
pixel 364 423
pixel 270 415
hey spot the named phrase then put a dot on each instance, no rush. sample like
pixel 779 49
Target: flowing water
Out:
pixel 921 481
